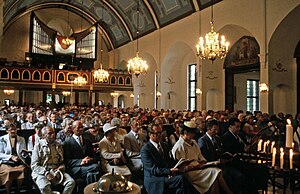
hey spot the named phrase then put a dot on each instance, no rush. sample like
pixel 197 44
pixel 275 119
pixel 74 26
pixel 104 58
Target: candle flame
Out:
pixel 291 152
pixel 281 149
pixel 288 121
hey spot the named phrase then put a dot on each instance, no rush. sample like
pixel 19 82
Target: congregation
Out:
pixel 74 146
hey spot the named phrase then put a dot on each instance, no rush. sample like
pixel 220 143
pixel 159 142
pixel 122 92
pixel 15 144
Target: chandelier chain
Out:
pixel 137 25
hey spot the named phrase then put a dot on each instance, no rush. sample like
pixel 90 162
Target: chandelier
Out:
pixel 137 65
pixel 67 41
pixel 9 92
pixel 114 94
pixel 212 48
pixel 66 93
pixel 101 75
pixel 80 81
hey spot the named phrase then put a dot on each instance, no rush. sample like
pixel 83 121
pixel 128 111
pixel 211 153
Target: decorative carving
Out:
pixel 211 75
pixel 170 80
pixel 279 67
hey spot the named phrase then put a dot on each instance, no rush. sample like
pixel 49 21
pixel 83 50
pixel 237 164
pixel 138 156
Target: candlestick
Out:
pixel 273 156
pixel 281 158
pixel 289 134
pixel 291 158
pixel 272 146
pixel 259 145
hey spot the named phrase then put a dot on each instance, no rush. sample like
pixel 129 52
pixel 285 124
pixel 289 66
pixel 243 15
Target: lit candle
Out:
pixel 289 134
pixel 272 146
pixel 265 146
pixel 273 156
pixel 259 145
pixel 293 145
pixel 291 158
pixel 281 158
pixel 259 161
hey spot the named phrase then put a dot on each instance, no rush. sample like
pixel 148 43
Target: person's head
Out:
pixel 29 117
pixel 177 126
pixel 241 117
pixel 155 133
pixel 44 120
pixel 109 130
pixel 234 125
pixel 115 122
pixel 48 134
pixel 11 129
pixel 158 120
pixel 188 130
pixel 135 124
pixel 67 124
pixel 53 117
pixel 77 128
pixel 212 127
pixel 38 128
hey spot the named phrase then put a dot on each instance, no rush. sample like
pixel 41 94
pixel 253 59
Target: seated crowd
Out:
pixel 75 146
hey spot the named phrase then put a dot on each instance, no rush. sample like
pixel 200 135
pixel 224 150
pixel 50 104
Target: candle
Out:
pixel 265 146
pixel 259 161
pixel 291 158
pixel 272 146
pixel 293 145
pixel 289 134
pixel 259 145
pixel 273 156
pixel 281 158
pixel 268 142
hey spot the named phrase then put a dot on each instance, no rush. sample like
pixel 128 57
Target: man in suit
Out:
pixel 233 144
pixel 47 164
pixel 133 142
pixel 210 143
pixel 78 153
pixel 159 176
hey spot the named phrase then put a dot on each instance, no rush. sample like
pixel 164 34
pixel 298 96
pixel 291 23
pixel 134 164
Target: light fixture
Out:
pixel 67 40
pixel 66 93
pixel 158 94
pixel 198 91
pixel 131 95
pixel 114 94
pixel 263 87
pixel 80 81
pixel 137 65
pixel 101 75
pixel 212 48
pixel 9 92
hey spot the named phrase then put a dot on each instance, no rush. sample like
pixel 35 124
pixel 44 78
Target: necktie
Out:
pixel 79 141
pixel 137 138
pixel 160 150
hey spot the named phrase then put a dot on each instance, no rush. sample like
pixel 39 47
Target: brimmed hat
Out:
pixel 107 127
pixel 190 124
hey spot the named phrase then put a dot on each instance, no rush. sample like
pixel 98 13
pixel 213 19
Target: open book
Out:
pixel 182 162
pixel 229 156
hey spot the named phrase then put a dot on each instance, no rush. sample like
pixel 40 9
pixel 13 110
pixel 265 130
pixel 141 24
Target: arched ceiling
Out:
pixel 119 16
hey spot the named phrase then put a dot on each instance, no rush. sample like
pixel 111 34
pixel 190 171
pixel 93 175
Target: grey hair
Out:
pixel 65 121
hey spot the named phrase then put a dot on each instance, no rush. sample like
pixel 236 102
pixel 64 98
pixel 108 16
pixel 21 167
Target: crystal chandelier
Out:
pixel 212 48
pixel 80 81
pixel 101 75
pixel 66 93
pixel 137 65
pixel 8 92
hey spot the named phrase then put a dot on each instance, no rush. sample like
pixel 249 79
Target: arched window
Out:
pixel 36 76
pixel 121 81
pixel 15 74
pixel 128 81
pixel 46 76
pixel 26 75
pixel 4 74
pixel 113 80
pixel 61 77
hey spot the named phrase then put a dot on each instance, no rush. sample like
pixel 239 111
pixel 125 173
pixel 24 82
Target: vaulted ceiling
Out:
pixel 119 16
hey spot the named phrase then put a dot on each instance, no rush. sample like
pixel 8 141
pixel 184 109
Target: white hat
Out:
pixel 107 127
pixel 190 124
